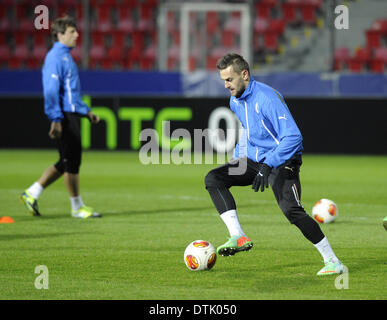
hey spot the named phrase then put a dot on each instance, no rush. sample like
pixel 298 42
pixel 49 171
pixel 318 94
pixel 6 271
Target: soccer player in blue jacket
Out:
pixel 268 152
pixel 63 107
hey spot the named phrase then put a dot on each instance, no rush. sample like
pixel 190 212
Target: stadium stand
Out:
pixel 123 35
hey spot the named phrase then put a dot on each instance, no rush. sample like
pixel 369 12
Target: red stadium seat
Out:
pixel 21 52
pixel 277 26
pixel 381 53
pixel 289 11
pixel 228 38
pixel 146 21
pixel 118 39
pixel 15 63
pixel 380 25
pixel 138 39
pixel 377 65
pixel 172 63
pixel 373 38
pixel 264 8
pixel 103 22
pixel 125 22
pixel 233 23
pixel 26 25
pixel 212 22
pixel 360 60
pixel 115 53
pixel 260 25
pixel 39 52
pixel 192 61
pixel 147 63
pixel 34 63
pixel 76 53
pixel 97 52
pixel 341 58
pixel 5 52
pixel 379 60
pixel 270 41
pixel 211 62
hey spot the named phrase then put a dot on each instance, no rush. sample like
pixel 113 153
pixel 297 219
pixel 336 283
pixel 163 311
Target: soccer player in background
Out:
pixel 268 152
pixel 63 107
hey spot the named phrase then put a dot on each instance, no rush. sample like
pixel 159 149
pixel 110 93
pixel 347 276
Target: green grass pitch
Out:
pixel 152 212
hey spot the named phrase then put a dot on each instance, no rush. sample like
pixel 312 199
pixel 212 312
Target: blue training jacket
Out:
pixel 269 133
pixel 61 85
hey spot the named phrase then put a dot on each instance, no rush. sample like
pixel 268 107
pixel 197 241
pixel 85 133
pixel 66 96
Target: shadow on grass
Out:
pixel 169 210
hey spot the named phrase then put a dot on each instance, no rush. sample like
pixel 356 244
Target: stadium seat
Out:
pixel 76 53
pixel 15 63
pixel 39 52
pixel 21 52
pixel 103 22
pixel 146 19
pixel 289 11
pixel 34 63
pixel 175 37
pixel 228 38
pixel 26 25
pixel 115 53
pixel 270 41
pixel 341 58
pixel 138 39
pixel 118 39
pixel 381 53
pixel 233 23
pixel 260 25
pixel 192 62
pixel 125 22
pixel 151 51
pixel 373 38
pixel 97 52
pixel 147 63
pixel 107 63
pixel 277 26
pixel 212 22
pixel 130 3
pixel 376 65
pixel 5 52
pixel 263 8
pixel 173 63
pixel 308 13
pixel 211 62
pixel 359 61
pixel 379 60
pixel 380 25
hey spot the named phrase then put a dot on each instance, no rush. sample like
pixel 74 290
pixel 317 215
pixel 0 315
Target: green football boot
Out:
pixel 85 212
pixel 30 203
pixel 385 223
pixel 235 244
pixel 332 268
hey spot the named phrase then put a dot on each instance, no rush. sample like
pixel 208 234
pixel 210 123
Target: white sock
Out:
pixel 76 203
pixel 35 190
pixel 326 251
pixel 230 218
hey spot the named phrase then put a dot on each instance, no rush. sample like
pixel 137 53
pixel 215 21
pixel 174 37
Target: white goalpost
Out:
pixel 185 27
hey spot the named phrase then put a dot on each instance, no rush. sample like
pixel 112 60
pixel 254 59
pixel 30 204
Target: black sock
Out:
pixel 310 229
pixel 222 199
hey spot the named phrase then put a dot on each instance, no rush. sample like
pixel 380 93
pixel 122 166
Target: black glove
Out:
pixel 262 177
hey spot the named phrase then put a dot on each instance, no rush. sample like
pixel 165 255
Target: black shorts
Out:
pixel 69 144
pixel 284 181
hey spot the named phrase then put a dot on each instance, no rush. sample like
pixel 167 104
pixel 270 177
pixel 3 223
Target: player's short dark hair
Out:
pixel 60 25
pixel 239 64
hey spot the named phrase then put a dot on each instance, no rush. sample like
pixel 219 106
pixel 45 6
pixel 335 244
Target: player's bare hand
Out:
pixel 55 130
pixel 93 117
